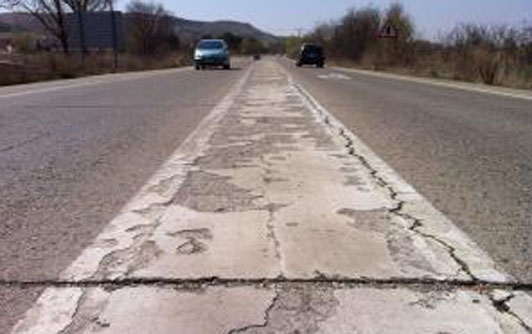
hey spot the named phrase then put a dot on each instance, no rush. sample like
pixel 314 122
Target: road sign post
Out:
pixel 389 31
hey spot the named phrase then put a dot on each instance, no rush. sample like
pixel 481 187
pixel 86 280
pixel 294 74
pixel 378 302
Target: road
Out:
pixel 233 202
pixel 468 153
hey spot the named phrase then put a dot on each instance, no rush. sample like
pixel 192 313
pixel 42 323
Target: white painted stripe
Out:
pixel 84 82
pixel 477 88
pixel 334 76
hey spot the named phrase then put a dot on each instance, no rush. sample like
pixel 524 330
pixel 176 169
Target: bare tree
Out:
pixel 50 13
pixel 352 36
pixel 149 25
pixel 87 5
pixel 400 52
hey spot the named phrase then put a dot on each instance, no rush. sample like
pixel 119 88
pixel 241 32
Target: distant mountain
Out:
pixel 5 27
pixel 187 29
pixel 193 30
pixel 21 22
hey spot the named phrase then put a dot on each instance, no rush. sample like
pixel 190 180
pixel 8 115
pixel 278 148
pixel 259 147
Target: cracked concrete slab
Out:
pixel 281 309
pixel 408 311
pixel 148 310
pixel 271 187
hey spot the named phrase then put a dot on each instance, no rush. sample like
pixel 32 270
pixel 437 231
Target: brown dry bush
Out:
pixel 50 66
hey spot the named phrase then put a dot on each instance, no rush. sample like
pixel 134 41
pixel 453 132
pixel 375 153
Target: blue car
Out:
pixel 211 52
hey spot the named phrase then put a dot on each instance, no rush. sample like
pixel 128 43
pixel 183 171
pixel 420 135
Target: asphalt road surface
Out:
pixel 263 191
pixel 72 153
pixel 468 153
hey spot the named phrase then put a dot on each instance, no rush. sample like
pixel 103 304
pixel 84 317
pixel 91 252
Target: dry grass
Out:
pixel 50 66
pixel 478 68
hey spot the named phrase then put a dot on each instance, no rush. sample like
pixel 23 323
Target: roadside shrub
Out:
pixel 493 55
pixel 24 42
pixel 48 66
pixel 488 65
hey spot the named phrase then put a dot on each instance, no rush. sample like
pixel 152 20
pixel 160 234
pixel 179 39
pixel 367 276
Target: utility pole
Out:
pixel 115 37
pixel 81 26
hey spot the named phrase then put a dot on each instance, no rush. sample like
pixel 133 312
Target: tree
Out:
pixel 87 5
pixel 359 29
pixel 292 45
pixel 151 28
pixel 252 46
pixel 401 50
pixel 233 41
pixel 50 13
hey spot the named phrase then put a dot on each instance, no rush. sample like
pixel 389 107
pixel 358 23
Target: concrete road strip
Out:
pixel 272 217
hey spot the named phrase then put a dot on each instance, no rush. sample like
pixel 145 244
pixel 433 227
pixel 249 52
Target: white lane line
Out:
pixel 89 81
pixel 334 76
pixel 477 88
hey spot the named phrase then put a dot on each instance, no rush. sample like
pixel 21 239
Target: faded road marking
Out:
pixel 334 76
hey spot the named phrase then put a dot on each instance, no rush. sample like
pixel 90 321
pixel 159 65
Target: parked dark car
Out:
pixel 311 54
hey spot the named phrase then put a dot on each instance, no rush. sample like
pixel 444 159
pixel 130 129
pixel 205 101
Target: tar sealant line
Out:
pixel 338 282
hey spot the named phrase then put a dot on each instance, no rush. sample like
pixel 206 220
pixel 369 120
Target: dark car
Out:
pixel 311 54
pixel 211 52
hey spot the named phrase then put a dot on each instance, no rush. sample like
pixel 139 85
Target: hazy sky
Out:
pixel 286 16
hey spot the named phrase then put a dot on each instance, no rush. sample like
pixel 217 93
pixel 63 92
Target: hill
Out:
pixel 193 30
pixel 20 22
pixel 190 30
pixel 5 27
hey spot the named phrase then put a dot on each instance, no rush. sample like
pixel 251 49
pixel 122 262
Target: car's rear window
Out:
pixel 210 45
pixel 312 48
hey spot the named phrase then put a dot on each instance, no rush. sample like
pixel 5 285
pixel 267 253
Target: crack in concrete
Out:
pixel 138 255
pixel 296 309
pixel 271 208
pixel 501 305
pixel 267 314
pixel 87 311
pixel 380 181
pixel 68 328
pixel 398 240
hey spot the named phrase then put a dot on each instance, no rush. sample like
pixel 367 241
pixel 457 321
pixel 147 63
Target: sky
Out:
pixel 284 17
